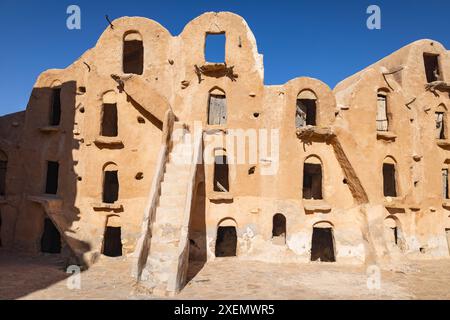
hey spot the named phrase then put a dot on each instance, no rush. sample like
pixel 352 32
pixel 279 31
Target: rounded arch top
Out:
pixel 323 224
pixel 217 91
pixel 441 108
pixel 132 35
pixel 110 166
pixel 390 160
pixel 227 222
pixel 391 221
pixel 313 159
pixel 109 97
pixel 307 94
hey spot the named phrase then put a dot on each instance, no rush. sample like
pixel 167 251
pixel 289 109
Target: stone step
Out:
pixel 180 159
pixel 176 167
pixel 169 215
pixel 172 187
pixel 166 232
pixel 164 249
pixel 174 172
pixel 176 177
pixel 172 200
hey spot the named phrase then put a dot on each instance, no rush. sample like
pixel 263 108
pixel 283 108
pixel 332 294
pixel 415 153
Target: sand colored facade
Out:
pixel 122 154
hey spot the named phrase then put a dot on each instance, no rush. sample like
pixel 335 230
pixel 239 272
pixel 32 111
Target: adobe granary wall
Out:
pixel 358 174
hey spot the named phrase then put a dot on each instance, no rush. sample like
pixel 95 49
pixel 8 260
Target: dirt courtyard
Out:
pixel 44 277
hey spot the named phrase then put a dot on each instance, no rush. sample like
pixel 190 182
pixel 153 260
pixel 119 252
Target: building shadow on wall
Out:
pixel 44 226
pixel 197 229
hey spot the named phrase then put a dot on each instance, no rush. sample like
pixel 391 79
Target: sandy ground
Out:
pixel 44 277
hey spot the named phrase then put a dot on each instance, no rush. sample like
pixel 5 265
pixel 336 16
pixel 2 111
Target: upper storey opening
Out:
pixel 215 47
pixel 432 69
pixel 133 53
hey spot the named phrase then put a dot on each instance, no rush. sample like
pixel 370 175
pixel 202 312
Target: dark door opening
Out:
pixel 110 187
pixel 432 71
pixel 226 242
pixel 109 120
pixel 389 184
pixel 221 183
pixel 133 56
pixel 51 186
pixel 112 242
pixel 322 248
pixel 51 239
pixel 55 109
pixel 312 181
pixel 279 228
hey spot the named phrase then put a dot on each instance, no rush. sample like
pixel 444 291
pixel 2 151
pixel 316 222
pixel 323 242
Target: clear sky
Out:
pixel 323 39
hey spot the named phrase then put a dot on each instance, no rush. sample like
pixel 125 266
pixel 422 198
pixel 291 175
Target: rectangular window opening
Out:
pixel 445 183
pixel 3 165
pixel 432 70
pixel 440 125
pixel 109 120
pixel 312 181
pixel 389 183
pixel 133 57
pixel 51 186
pixel 382 115
pixel 306 113
pixel 55 109
pixel 221 183
pixel 217 111
pixel 110 187
pixel 215 47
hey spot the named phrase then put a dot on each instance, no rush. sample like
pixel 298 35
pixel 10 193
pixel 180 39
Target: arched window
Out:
pixel 322 244
pixel 3 168
pixel 441 122
pixel 312 178
pixel 221 171
pixel 389 177
pixel 306 111
pixel 110 183
pixel 133 53
pixel 279 229
pixel 226 241
pixel 393 232
pixel 109 124
pixel 382 111
pixel 217 107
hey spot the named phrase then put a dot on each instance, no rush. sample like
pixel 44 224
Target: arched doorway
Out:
pixel 226 241
pixel 322 244
pixel 393 233
pixel 279 229
pixel 112 238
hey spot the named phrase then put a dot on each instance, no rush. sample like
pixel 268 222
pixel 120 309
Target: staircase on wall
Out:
pixel 164 270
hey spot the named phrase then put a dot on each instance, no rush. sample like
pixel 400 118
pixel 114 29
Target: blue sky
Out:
pixel 327 40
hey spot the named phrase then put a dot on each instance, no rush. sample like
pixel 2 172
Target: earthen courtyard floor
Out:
pixel 44 277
